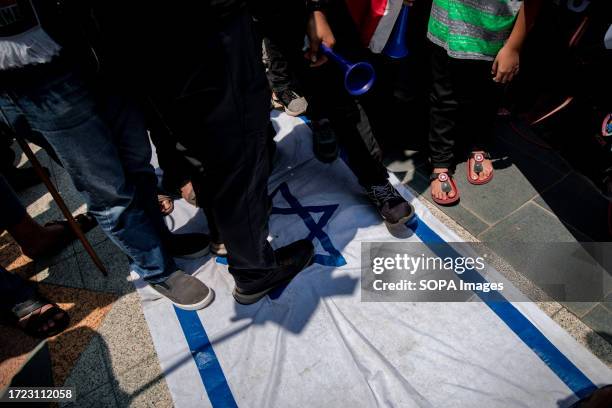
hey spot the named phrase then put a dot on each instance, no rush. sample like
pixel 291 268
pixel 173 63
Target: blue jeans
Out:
pixel 102 142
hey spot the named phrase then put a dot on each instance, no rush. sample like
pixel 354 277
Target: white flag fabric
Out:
pixel 315 344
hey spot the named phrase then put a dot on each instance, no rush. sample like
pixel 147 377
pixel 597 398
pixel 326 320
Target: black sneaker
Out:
pixel 293 103
pixel 390 204
pixel 189 246
pixel 324 142
pixel 185 291
pixel 290 259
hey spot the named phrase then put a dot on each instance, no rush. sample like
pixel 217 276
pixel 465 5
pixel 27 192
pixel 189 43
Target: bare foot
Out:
pixel 188 193
pixel 487 167
pixel 436 187
pixel 46 240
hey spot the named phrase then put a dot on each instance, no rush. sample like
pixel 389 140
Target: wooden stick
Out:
pixel 61 204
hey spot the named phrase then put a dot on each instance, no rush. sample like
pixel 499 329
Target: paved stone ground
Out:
pixel 535 196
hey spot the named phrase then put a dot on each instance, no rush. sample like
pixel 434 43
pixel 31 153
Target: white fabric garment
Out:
pixel 22 39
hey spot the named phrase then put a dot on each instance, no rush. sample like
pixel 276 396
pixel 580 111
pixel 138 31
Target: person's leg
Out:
pixel 19 178
pixel 225 131
pixel 7 155
pixel 281 24
pixel 11 209
pixel 222 121
pixel 176 171
pixel 444 109
pixel 134 150
pixel 35 240
pixel 26 309
pixel 478 98
pixel 104 150
pixel 13 290
pixel 71 118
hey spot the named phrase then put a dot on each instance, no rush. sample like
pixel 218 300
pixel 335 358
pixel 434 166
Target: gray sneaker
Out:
pixel 293 103
pixel 185 291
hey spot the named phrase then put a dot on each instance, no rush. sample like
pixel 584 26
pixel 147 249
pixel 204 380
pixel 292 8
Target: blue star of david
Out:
pixel 333 256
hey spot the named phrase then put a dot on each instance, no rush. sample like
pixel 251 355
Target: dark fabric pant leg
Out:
pixel 464 102
pixel 11 209
pixel 478 98
pixel 282 26
pixel 329 99
pixel 444 111
pixel 13 289
pixel 176 170
pixel 7 155
pixel 222 121
pixel 349 122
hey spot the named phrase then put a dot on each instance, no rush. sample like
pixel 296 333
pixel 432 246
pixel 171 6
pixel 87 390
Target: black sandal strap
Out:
pixel 86 221
pixel 35 321
pixel 21 310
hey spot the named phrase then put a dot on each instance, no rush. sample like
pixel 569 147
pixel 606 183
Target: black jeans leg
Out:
pixel 7 155
pixel 221 121
pixel 464 101
pixel 282 25
pixel 444 111
pixel 13 290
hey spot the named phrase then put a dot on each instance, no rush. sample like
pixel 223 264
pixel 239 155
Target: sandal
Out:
pixel 163 208
pixel 447 184
pixel 30 317
pixel 478 168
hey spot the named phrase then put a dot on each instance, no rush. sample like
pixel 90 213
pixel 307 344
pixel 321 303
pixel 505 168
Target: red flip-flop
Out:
pixel 448 185
pixel 479 158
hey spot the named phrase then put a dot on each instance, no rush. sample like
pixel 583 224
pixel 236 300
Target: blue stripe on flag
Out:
pixel 220 394
pixel 516 321
pixel 204 356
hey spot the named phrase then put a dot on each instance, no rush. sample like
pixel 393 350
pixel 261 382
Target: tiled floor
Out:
pixel 535 196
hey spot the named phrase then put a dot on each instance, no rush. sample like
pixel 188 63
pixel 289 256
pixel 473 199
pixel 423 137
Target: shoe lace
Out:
pixel 383 193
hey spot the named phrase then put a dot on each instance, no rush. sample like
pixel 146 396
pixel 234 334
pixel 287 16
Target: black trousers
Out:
pixel 282 23
pixel 219 117
pixel 464 102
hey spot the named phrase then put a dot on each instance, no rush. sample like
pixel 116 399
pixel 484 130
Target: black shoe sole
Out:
pixel 255 297
pixel 402 220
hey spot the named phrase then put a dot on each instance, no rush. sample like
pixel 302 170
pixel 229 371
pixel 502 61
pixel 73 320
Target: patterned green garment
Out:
pixel 472 29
